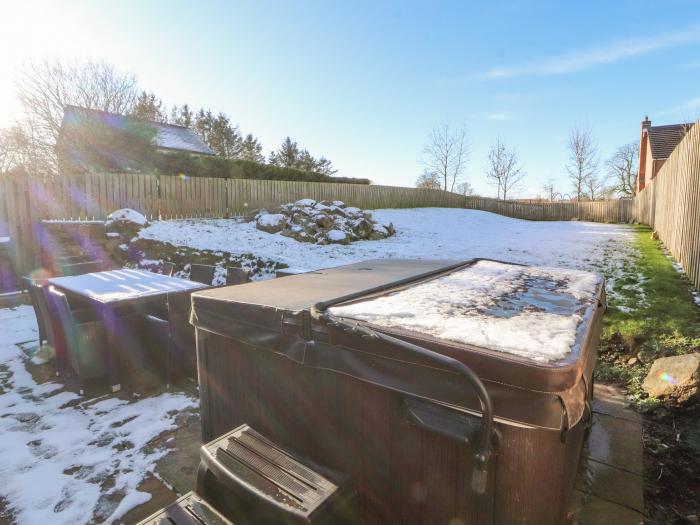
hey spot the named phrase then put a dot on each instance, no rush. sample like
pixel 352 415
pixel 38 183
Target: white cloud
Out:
pixel 500 115
pixel 578 60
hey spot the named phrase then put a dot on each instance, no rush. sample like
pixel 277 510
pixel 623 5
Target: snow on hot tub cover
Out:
pixel 527 311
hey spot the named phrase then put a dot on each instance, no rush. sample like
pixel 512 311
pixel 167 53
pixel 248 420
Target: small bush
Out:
pixel 193 166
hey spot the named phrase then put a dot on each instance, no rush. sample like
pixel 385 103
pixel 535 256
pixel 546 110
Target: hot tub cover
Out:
pixel 547 390
pixel 532 312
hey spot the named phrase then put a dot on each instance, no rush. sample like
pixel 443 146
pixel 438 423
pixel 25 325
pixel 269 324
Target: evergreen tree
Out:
pixel 305 161
pixel 287 155
pixel 325 167
pixel 148 107
pixel 182 116
pixel 218 132
pixel 251 150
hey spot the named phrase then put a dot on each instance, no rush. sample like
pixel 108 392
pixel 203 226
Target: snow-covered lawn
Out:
pixel 428 233
pixel 65 459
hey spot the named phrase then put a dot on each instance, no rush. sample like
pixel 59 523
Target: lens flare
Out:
pixel 667 378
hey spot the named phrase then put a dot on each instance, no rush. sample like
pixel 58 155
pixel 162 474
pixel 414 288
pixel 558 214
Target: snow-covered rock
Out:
pixel 324 222
pixel 124 223
pixel 337 236
pixel 271 222
pixel 127 215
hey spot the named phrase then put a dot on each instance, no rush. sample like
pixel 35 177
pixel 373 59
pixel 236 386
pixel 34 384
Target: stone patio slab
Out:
pixel 588 509
pixel 611 484
pixel 616 442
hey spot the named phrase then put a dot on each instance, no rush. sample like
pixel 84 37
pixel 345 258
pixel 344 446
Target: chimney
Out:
pixel 643 141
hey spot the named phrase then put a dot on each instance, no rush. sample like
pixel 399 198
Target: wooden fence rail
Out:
pixel 670 203
pixel 595 211
pixel 24 203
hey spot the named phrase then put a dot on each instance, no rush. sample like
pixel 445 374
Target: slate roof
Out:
pixel 664 139
pixel 168 136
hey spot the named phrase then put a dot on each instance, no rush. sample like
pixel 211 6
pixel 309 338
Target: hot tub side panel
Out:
pixel 404 474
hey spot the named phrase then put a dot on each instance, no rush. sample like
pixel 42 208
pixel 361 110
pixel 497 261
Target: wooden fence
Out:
pixel 24 203
pixel 670 203
pixel 597 211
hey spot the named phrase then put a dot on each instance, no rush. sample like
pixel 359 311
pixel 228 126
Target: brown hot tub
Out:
pixel 447 392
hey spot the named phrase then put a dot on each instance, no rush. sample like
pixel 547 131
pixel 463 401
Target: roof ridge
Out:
pixel 131 117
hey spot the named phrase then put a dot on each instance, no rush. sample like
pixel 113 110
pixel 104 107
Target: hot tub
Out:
pixel 448 392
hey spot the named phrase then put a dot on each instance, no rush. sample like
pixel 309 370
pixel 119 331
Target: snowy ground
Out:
pixel 65 459
pixel 426 233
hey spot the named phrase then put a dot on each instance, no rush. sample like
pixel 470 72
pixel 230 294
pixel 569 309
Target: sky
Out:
pixel 363 83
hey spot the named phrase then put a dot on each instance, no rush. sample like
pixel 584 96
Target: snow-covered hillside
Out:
pixel 428 233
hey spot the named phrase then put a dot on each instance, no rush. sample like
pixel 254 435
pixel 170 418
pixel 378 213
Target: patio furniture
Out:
pixel 237 276
pixel 183 356
pixel 158 334
pixel 202 273
pixel 429 429
pixel 123 291
pixel 8 276
pixel 168 268
pixel 85 340
pixel 82 268
pixel 40 307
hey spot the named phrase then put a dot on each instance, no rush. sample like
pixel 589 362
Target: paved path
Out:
pixel 610 483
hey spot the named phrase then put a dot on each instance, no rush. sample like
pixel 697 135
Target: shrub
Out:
pixel 194 166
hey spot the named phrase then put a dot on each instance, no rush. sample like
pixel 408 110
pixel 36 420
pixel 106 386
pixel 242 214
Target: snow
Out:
pixel 118 285
pixel 4 240
pixel 127 215
pixel 64 459
pixel 336 236
pixel 305 202
pixel 422 233
pixel 526 311
pixel 112 235
pixel 272 220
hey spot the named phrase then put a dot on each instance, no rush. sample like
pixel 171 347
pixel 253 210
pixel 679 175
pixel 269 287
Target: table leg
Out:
pixel 109 318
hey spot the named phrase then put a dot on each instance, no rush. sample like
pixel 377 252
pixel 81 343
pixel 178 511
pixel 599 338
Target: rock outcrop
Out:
pixel 322 222
pixel 675 379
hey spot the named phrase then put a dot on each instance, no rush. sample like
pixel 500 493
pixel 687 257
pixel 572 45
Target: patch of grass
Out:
pixel 654 316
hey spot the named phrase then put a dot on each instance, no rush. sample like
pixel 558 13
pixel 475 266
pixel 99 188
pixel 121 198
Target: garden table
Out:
pixel 108 291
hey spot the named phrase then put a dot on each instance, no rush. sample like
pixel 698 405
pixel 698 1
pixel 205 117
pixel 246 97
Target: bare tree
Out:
pixel 623 168
pixel 550 190
pixel 464 188
pixel 46 88
pixel 446 154
pixel 583 162
pixel 595 187
pixel 429 180
pixel 503 170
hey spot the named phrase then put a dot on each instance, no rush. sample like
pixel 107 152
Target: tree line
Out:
pixel 446 155
pixel 46 88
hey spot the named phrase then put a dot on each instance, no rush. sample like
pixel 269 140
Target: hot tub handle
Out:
pixel 483 445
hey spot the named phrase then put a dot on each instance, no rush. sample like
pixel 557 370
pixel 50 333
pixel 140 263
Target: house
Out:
pixel 91 138
pixel 655 146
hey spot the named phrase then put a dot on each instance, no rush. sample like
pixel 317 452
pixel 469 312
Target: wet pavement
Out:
pixel 610 486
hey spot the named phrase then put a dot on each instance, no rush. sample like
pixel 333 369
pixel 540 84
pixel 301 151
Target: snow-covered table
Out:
pixel 107 291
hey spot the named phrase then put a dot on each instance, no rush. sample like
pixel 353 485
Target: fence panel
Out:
pixel 670 203
pixel 596 211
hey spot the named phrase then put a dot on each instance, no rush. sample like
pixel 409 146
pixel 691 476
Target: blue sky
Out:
pixel 364 82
